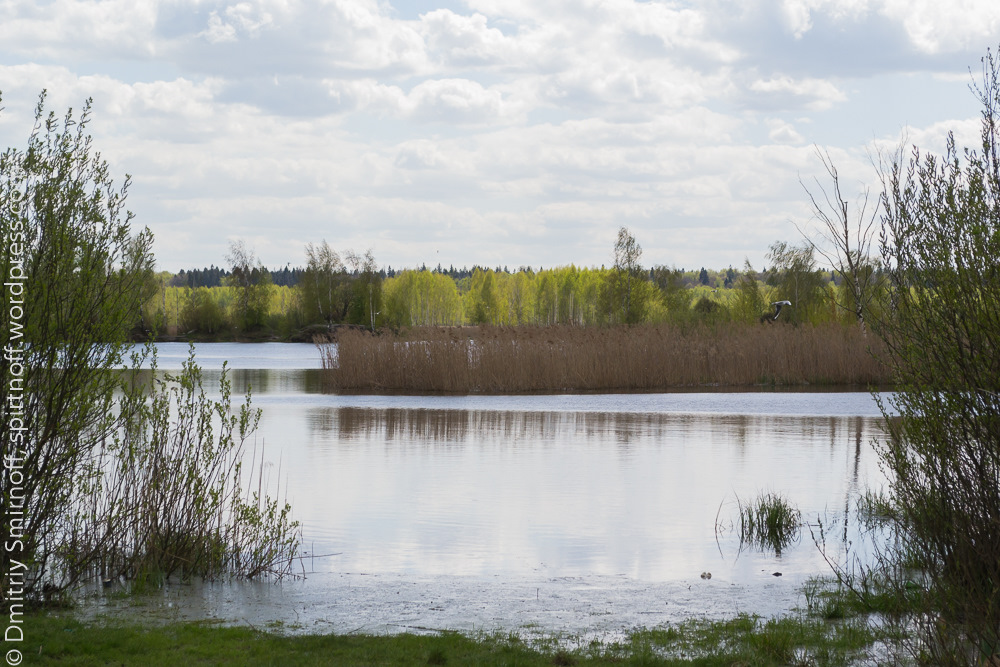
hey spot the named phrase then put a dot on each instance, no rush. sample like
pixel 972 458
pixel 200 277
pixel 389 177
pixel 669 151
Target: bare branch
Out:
pixel 845 240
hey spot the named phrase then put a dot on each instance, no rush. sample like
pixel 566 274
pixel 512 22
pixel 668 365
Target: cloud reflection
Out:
pixel 485 492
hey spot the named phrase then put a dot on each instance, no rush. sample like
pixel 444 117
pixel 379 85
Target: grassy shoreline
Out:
pixel 813 636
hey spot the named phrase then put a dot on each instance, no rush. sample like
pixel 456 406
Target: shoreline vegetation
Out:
pixel 512 360
pixel 833 627
pixel 107 477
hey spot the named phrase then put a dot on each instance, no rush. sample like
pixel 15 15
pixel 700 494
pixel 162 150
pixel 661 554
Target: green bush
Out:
pixel 941 252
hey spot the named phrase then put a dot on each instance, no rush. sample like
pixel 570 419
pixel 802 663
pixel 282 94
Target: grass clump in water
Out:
pixel 768 521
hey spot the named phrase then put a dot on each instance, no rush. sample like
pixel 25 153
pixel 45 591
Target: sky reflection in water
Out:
pixel 425 491
pixel 579 513
pixel 572 485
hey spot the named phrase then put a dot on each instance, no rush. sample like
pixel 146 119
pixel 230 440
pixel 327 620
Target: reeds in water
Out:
pixel 768 521
pixel 568 358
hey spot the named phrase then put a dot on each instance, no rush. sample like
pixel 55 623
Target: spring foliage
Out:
pixel 941 251
pixel 168 493
pixel 91 490
pixel 84 281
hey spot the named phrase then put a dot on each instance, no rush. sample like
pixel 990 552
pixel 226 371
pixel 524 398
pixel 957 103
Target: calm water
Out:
pixel 586 514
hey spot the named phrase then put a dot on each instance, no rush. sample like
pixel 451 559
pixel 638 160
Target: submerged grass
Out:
pixel 751 640
pixel 768 521
pixel 566 358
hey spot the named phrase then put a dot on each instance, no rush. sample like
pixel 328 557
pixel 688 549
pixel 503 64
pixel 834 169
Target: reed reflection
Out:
pixel 421 425
pixel 260 381
pixel 272 380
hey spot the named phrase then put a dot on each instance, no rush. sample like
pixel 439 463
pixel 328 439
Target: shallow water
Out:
pixel 579 514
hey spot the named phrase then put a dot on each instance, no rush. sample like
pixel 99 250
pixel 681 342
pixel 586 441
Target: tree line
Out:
pixel 344 287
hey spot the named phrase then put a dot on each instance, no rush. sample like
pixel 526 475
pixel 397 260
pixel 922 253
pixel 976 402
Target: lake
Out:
pixel 579 514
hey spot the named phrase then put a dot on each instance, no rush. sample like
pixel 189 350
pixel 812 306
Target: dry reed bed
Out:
pixel 567 358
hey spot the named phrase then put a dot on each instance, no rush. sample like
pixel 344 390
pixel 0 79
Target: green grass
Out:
pixel 750 640
pixel 807 638
pixel 768 521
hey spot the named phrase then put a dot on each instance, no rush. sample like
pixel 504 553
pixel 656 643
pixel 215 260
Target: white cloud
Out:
pixel 496 131
pixel 935 26
pixel 367 95
pixel 218 31
pixel 463 40
pixel 678 29
pixel 786 92
pixel 250 18
pixel 783 133
pixel 455 101
pixel 112 28
pixel 931 26
pixel 798 15
pixel 419 154
pixel 933 138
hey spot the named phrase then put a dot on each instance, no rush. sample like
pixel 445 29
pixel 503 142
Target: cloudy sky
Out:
pixel 491 132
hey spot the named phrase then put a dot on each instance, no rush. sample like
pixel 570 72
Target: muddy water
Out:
pixel 586 515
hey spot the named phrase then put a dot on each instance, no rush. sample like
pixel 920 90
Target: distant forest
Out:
pixel 246 300
pixel 214 276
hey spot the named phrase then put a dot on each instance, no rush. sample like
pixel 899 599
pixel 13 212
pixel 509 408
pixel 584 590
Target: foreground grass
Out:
pixel 744 640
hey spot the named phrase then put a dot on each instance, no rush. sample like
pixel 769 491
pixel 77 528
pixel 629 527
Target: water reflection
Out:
pixel 578 513
pixel 271 381
pixel 482 492
pixel 239 355
pixel 429 426
pixel 259 381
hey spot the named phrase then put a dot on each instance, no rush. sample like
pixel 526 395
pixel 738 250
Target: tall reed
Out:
pixel 567 358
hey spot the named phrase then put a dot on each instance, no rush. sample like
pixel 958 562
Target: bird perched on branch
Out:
pixel 767 317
